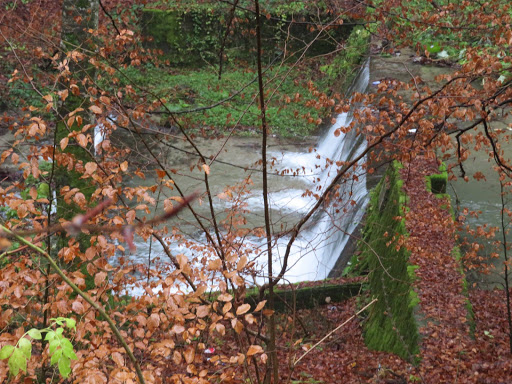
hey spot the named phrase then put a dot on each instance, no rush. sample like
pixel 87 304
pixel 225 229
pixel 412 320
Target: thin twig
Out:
pixel 334 330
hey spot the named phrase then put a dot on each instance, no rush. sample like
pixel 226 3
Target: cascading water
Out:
pixel 100 133
pixel 318 247
pixel 321 241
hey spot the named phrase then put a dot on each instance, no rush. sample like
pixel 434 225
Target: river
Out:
pixel 295 167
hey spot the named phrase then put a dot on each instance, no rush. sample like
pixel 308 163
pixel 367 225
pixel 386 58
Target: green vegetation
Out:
pixel 288 112
pixel 465 291
pixel 391 324
pixel 344 66
pixel 189 38
pixel 437 183
pixel 194 36
pixel 310 297
pixel 60 348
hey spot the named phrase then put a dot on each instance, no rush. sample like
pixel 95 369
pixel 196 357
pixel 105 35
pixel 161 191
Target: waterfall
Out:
pixel 53 210
pixel 318 247
pixel 322 240
pixel 100 134
pixel 98 137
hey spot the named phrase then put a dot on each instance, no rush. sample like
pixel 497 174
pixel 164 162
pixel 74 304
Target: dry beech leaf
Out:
pixel 118 359
pixel 81 140
pixel 100 278
pixel 241 263
pixel 91 167
pixel 202 311
pixel 237 325
pixel 189 354
pixel 153 321
pixel 64 143
pixel 176 357
pixel 264 358
pixel 182 260
pixel 206 169
pixel 220 328
pixel 178 329
pixel 78 307
pixel 214 265
pixel 244 308
pixel 225 297
pixel 260 305
pixel 226 308
pixel 254 349
pixel 191 369
pixel 95 109
pixel 4 244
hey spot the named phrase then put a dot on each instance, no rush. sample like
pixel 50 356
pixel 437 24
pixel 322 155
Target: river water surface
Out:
pixel 294 168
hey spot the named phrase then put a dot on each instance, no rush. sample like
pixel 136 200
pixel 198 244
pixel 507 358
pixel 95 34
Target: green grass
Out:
pixel 191 89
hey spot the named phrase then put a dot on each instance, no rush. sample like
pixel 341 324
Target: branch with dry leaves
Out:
pixel 80 223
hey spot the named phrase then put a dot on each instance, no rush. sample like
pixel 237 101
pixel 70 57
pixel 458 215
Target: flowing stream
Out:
pixel 295 168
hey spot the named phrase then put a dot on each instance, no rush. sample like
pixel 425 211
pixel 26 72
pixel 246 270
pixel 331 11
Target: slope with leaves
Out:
pixel 445 345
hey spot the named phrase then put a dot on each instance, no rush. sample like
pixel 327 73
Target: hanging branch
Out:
pixel 79 223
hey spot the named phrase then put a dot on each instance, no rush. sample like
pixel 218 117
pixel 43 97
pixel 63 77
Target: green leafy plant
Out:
pixel 60 348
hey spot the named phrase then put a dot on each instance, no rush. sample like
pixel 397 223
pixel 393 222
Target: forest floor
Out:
pixel 450 352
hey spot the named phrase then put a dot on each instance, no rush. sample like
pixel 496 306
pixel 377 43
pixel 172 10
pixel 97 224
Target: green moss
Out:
pixel 437 183
pixel 310 297
pixel 193 36
pixel 391 324
pixel 345 65
pixel 470 314
pixel 307 297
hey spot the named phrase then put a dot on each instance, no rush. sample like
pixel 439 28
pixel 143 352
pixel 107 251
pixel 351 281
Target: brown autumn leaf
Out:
pixel 254 349
pixel 237 325
pixel 78 307
pixel 63 94
pixel 220 328
pixel 202 311
pixel 96 110
pixel 182 260
pixel 225 297
pixel 176 357
pixel 100 278
pixel 64 143
pixel 178 329
pixel 81 139
pixel 214 265
pixel 260 306
pixel 90 167
pixel 189 354
pixel 226 308
pixel 241 263
pixel 118 359
pixel 153 321
pixel 244 308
